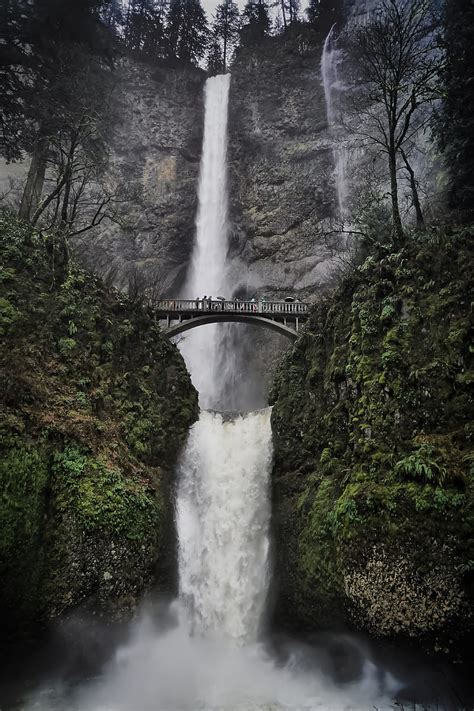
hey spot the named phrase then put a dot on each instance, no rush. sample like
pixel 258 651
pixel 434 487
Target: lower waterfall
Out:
pixel 223 516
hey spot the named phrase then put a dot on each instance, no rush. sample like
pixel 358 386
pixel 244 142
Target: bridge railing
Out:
pixel 206 305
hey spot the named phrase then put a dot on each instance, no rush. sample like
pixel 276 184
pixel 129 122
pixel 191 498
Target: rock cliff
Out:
pixel 154 147
pixel 281 169
pixel 96 405
pixel 373 482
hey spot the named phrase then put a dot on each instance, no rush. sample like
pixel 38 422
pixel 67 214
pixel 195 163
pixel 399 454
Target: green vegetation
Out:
pixel 373 482
pixel 96 406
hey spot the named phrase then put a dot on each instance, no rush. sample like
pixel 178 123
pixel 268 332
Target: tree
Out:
pixel 145 27
pixel 75 197
pixel 323 14
pixel 456 126
pixel 226 28
pixel 256 21
pixel 398 63
pixel 215 60
pixel 187 30
pixel 289 12
pixel 34 36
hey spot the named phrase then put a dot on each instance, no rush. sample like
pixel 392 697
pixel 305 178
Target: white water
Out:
pixel 208 271
pixel 223 517
pixel 332 88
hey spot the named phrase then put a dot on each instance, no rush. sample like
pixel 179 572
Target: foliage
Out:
pixel 225 32
pixel 397 67
pixel 456 121
pixel 96 405
pixel 103 498
pixel 256 22
pixel 187 30
pixel 373 444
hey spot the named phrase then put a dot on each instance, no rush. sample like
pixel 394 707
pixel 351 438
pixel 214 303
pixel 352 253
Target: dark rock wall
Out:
pixel 282 191
pixel 155 149
pixel 373 484
pixel 96 405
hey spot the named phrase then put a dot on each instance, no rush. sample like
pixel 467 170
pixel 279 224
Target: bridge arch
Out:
pixel 255 320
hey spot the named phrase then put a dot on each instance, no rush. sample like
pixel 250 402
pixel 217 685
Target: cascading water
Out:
pixel 332 87
pixel 222 502
pixel 223 516
pixel 207 275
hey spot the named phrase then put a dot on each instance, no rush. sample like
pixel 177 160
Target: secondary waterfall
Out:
pixel 332 87
pixel 222 503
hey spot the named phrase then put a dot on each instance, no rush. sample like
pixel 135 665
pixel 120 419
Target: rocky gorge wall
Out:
pixel 373 482
pixel 96 405
pixel 280 171
pixel 154 152
pixel 281 167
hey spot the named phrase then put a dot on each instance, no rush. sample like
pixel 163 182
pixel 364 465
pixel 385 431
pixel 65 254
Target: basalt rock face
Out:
pixel 155 147
pixel 281 167
pixel 373 483
pixel 96 405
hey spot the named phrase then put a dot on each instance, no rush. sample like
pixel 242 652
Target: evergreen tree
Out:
pixel 187 30
pixel 226 28
pixel 215 60
pixel 257 22
pixel 457 121
pixel 144 27
pixel 36 37
pixel 323 14
pixel 289 12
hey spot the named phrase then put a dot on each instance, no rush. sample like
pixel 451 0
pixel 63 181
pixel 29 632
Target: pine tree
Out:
pixel 323 14
pixel 226 28
pixel 215 60
pixel 144 28
pixel 187 30
pixel 313 12
pixel 457 120
pixel 257 22
pixel 36 36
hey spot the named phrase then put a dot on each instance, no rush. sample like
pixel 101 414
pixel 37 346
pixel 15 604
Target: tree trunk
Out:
pixel 420 220
pixel 283 13
pixel 34 183
pixel 398 235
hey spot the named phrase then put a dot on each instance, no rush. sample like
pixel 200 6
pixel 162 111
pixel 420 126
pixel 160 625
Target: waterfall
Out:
pixel 222 503
pixel 202 651
pixel 223 515
pixel 207 274
pixel 332 87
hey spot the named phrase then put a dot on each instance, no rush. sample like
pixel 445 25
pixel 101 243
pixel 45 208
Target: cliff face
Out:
pixel 281 169
pixel 373 482
pixel 155 146
pixel 96 405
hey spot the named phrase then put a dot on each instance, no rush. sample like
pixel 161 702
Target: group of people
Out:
pixel 219 304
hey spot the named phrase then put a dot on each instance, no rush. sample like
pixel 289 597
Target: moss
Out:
pixel 104 499
pixel 23 486
pixel 371 426
pixel 103 401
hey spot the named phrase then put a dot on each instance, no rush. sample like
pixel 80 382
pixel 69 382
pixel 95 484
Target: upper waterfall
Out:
pixel 208 261
pixel 207 274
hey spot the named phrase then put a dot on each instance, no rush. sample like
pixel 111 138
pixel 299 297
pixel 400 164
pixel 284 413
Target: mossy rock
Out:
pixel 96 406
pixel 372 483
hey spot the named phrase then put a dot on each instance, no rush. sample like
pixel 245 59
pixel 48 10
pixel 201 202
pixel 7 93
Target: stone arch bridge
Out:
pixel 180 315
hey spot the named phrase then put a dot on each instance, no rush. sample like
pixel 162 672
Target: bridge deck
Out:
pixel 175 308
